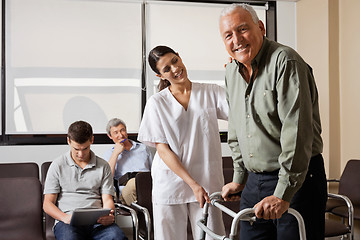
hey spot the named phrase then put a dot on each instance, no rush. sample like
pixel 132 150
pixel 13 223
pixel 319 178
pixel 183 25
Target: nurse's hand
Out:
pixel 200 194
pixel 230 190
pixel 230 61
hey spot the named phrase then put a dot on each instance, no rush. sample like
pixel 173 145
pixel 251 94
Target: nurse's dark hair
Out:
pixel 154 56
pixel 80 132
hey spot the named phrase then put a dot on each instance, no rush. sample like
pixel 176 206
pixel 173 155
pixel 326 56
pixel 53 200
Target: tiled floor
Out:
pixel 125 224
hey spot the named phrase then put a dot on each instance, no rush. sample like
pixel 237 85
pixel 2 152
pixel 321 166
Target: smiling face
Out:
pixel 118 133
pixel 242 37
pixel 172 68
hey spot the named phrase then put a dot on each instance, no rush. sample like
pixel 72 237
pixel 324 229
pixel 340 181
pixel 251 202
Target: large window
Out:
pixel 67 60
pixel 71 60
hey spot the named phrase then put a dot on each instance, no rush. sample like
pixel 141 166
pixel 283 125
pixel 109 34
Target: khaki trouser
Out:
pixel 128 193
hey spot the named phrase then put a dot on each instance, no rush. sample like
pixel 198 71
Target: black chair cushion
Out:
pixel 349 184
pixel 21 210
pixel 335 228
pixel 343 212
pixel 333 203
pixel 26 169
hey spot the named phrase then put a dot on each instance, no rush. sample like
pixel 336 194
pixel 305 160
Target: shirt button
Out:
pixel 249 136
pixel 264 93
pixel 248 116
pixel 251 155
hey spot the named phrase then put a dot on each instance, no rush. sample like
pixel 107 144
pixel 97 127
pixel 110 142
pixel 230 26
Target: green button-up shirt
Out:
pixel 274 121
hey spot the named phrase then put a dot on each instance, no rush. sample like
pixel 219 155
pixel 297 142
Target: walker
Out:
pixel 244 215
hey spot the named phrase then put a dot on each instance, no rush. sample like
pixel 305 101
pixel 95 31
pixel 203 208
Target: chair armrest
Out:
pixel 350 210
pixel 147 217
pixel 133 214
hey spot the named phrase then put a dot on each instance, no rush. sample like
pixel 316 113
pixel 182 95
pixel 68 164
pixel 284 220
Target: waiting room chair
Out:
pixel 349 185
pixel 44 169
pixel 143 205
pixel 24 169
pixel 21 210
pixel 228 163
pixel 124 210
pixel 48 221
pixel 341 228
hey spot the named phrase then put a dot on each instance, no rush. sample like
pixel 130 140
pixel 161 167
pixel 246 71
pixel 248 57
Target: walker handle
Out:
pixel 244 215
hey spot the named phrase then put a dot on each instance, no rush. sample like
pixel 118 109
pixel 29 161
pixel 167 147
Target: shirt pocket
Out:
pixel 266 104
pixel 266 112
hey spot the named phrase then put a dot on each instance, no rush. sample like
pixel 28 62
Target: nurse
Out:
pixel 181 122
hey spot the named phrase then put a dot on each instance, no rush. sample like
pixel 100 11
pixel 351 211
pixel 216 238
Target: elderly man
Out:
pixel 126 157
pixel 274 131
pixel 80 179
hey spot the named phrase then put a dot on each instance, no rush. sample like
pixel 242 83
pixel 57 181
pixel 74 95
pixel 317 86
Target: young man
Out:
pixel 79 179
pixel 274 131
pixel 125 157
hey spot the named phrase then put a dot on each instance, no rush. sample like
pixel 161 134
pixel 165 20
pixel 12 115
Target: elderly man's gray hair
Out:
pixel 228 10
pixel 114 123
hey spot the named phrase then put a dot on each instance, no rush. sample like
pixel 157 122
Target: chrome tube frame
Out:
pixel 244 215
pixel 147 217
pixel 350 212
pixel 134 217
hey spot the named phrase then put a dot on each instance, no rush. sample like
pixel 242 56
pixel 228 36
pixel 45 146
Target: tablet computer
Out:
pixel 88 216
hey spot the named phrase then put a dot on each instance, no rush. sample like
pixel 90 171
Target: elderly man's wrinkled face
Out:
pixel 118 133
pixel 242 37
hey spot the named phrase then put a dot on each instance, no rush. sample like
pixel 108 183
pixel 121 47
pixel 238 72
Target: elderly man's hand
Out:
pixel 229 191
pixel 271 208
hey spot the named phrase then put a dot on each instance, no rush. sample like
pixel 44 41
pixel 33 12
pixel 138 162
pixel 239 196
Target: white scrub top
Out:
pixel 193 135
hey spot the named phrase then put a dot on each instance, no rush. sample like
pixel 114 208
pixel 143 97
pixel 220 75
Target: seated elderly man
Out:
pixel 80 179
pixel 126 158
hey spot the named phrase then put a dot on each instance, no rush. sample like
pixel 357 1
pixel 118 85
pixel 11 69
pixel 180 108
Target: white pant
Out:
pixel 170 221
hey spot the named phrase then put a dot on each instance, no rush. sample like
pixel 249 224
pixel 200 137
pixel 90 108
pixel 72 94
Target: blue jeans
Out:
pixel 65 231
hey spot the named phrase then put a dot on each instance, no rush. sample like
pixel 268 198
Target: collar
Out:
pixel 91 163
pixel 134 144
pixel 255 62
